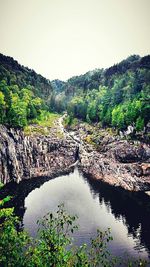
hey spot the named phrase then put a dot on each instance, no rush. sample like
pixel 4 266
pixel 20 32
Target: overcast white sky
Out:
pixel 62 38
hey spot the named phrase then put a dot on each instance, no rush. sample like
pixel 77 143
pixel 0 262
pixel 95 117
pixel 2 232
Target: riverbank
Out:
pixel 26 156
pixel 105 156
pixel 98 153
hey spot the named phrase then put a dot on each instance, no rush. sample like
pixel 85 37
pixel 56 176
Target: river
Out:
pixel 97 205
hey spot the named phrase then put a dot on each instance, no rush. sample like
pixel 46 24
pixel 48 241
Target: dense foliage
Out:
pixel 24 94
pixel 116 97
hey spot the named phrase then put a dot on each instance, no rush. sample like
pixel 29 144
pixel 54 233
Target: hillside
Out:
pixel 116 97
pixel 23 93
pixel 15 74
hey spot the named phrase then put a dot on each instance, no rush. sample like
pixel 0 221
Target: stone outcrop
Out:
pixel 127 152
pixel 23 157
pixel 108 158
pixel 118 162
pixel 121 165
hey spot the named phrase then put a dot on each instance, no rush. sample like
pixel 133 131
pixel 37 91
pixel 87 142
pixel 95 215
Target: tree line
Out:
pixel 115 97
pixel 24 94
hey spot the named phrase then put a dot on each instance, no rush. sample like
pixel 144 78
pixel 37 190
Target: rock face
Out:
pixel 128 153
pixel 106 157
pixel 23 157
pixel 120 164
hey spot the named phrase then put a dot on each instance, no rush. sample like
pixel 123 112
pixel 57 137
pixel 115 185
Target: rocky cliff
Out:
pixel 102 156
pixel 107 157
pixel 120 165
pixel 23 157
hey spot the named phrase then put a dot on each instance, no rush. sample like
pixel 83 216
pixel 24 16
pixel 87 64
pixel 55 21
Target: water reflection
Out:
pixel 98 205
pixel 132 208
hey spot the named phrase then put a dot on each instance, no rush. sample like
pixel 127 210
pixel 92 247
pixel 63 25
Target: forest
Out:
pixel 24 94
pixel 115 97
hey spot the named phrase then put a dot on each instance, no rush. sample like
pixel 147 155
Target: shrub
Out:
pixel 53 245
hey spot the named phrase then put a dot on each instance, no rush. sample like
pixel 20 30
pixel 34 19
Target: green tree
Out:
pixel 18 112
pixel 2 107
pixel 139 124
pixel 118 118
pixel 92 111
pixel 78 108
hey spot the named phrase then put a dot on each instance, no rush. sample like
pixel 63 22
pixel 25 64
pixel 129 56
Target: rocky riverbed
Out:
pixel 99 154
pixel 107 157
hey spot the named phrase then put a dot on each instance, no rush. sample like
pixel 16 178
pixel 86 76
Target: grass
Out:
pixel 88 139
pixel 69 121
pixel 42 124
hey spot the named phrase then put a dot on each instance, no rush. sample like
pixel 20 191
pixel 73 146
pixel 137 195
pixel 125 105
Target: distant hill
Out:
pixel 92 79
pixel 116 96
pixel 23 93
pixel 15 74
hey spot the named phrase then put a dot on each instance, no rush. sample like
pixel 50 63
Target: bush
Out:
pixel 139 124
pixel 53 246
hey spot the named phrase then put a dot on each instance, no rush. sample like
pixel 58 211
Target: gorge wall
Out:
pixel 117 162
pixel 23 157
pixel 112 159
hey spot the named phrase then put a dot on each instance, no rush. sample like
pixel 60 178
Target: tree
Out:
pixel 2 107
pixel 92 111
pixel 18 112
pixel 118 118
pixel 139 124
pixel 78 108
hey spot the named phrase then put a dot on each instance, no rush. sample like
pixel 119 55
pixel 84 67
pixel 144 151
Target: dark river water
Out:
pixel 97 205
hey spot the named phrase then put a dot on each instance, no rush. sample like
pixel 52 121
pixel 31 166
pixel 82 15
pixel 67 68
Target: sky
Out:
pixel 63 38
